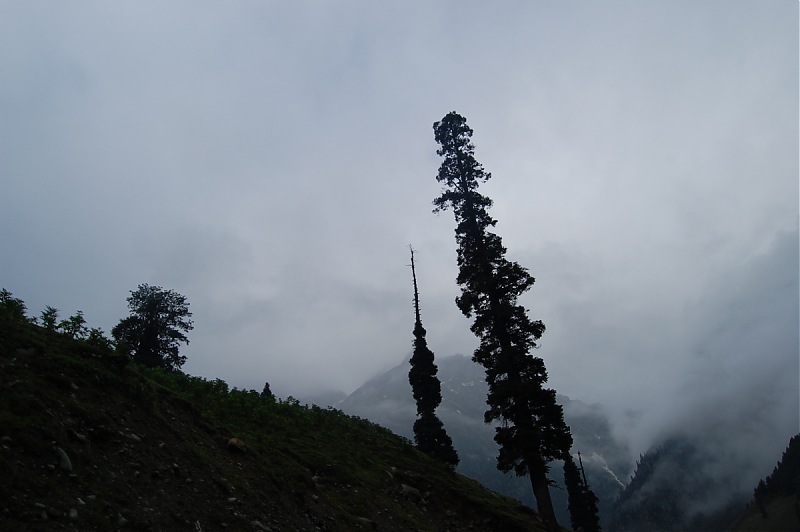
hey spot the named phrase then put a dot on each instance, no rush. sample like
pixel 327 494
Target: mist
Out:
pixel 272 163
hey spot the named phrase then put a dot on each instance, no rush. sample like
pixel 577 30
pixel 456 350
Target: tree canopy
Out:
pixel 12 308
pixel 156 327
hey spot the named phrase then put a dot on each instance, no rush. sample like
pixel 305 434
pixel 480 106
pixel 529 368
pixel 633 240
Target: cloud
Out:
pixel 737 395
pixel 272 163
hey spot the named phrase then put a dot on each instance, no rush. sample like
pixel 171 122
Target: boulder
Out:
pixel 63 460
pixel 235 445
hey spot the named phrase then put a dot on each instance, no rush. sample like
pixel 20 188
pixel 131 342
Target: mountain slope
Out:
pixel 386 399
pixel 683 484
pixel 88 442
pixel 776 501
pixel 672 489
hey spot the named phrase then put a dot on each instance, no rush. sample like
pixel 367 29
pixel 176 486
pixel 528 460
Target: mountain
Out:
pixel 685 485
pixel 678 485
pixel 387 400
pixel 694 482
pixel 776 499
pixel 89 441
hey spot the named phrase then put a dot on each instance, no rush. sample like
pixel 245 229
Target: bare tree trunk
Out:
pixel 537 472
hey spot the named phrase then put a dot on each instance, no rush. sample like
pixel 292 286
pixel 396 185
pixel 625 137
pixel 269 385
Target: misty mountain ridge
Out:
pixel 680 483
pixel 673 490
pixel 681 486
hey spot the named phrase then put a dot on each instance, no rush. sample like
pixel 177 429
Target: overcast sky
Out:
pixel 272 161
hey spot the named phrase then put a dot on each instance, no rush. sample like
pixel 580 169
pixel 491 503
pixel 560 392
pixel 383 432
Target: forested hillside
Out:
pixel 776 499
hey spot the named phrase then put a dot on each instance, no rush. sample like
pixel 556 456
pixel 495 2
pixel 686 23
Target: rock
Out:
pixel 77 436
pixel 121 521
pixel 236 445
pixel 73 514
pixel 63 460
pixel 258 525
pixel 366 522
pixel 410 492
pixel 133 437
pixel 80 501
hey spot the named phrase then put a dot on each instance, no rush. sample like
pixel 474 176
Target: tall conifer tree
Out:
pixel 582 503
pixel 531 429
pixel 429 433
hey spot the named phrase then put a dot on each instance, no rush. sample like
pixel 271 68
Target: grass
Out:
pixel 148 450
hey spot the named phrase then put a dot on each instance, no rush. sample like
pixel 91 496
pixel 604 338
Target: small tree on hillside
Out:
pixel 155 329
pixel 266 392
pixel 74 326
pixel 429 432
pixel 11 308
pixel 97 338
pixel 49 318
pixel 532 431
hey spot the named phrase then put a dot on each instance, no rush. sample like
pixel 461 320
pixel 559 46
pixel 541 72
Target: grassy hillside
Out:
pixel 88 442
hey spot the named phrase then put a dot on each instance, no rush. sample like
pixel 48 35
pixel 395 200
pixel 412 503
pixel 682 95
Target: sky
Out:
pixel 273 161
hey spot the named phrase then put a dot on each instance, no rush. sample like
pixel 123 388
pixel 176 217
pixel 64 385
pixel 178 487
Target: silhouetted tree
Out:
pixel 97 338
pixel 785 476
pixel 11 308
pixel 266 393
pixel 759 496
pixel 74 326
pixel 49 318
pixel 532 431
pixel 572 480
pixel 582 502
pixel 429 432
pixel 784 479
pixel 155 329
